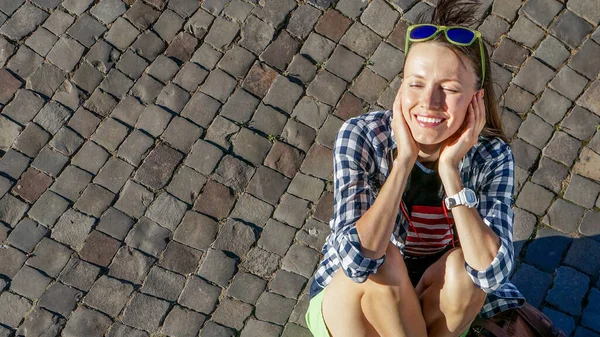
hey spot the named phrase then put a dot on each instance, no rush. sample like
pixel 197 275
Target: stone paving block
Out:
pixel 41 41
pixel 71 183
pixel 41 323
pixel 534 198
pixel 172 98
pixel 190 76
pixel 532 283
pixel 199 295
pixel 128 110
pixel 217 268
pixel 26 235
pixel 12 260
pixel 203 157
pixel 380 17
pixel 274 308
pixel 560 320
pixel 533 76
pixel 31 140
pixel 99 249
pixel 148 237
pixel 588 10
pixel 134 199
pixel 255 328
pixel 568 290
pixel 333 25
pixel 510 53
pixel 158 4
pixel 261 262
pixel 594 143
pixel 23 21
pixel 327 88
pixel 198 25
pixel 66 53
pixel 582 191
pixel 583 255
pixel 259 79
pixel 285 159
pixel 180 258
pixel 24 106
pixel 25 63
pixel 72 229
pixel 591 312
pixel 361 40
pixel 114 174
pixel 91 157
pixel 240 106
pixel 520 101
pixel 252 210
pixel 507 9
pixel 141 15
pixel 163 284
pixel 108 11
pixel 246 287
pixel 215 200
pixel 587 166
pixel 301 260
pixel 301 69
pixel 583 332
pixel 232 313
pixel 131 64
pixel 100 103
pixel 329 131
pixel 317 48
pixel 12 210
pixel 186 184
pixel 292 210
pixel 569 83
pixel 298 135
pixel 182 322
pixel 563 148
pixel 49 256
pixel 318 162
pixel 251 146
pixel 102 56
pixel 219 85
pixel 166 210
pixel 86 30
pixel 61 299
pixel 196 230
pixel 201 109
pixel 552 107
pixel 145 312
pixel 182 47
pixel 564 216
pixel 587 101
pixel 387 61
pixel 110 134
pixel 268 120
pixel 52 116
pixel 550 174
pixel 274 12
pixel 168 24
pixel 542 12
pixel 237 61
pixel 10 85
pixel 344 63
pixel 12 308
pixel 303 18
pixel 233 173
pixel 66 141
pixel 94 200
pixel 580 123
pixel 158 167
pixel 570 28
pixel 280 53
pixel 313 234
pixel 256 34
pixel 184 8
pixel 287 284
pixel 13 164
pixel 87 77
pixel 552 51
pixel 116 83
pixel 213 329
pixel 153 120
pixel 69 95
pixel 546 251
pixel 583 62
pixel 492 28
pixel 130 265
pixel 313 113
pixel 115 223
pixel 108 295
pixel 306 187
pixel 235 237
pixel 9 7
pixel 47 4
pixel 79 274
pixel 526 32
pixel 120 330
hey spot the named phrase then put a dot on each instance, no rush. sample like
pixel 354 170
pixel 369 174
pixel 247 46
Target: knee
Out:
pixel 459 293
pixel 391 278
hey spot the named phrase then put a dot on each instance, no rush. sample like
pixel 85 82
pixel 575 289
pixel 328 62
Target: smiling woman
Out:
pixel 421 239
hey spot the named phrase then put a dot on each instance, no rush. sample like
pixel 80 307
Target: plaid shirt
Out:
pixel 362 156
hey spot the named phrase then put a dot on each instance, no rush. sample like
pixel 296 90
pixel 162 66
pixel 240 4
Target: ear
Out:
pixel 480 92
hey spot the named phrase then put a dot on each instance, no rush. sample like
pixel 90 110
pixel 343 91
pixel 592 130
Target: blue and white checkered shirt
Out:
pixel 362 154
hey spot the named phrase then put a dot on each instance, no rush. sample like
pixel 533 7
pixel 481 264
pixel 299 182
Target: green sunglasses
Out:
pixel 457 35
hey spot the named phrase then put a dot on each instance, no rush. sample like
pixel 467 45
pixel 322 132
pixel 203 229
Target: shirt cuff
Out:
pixel 355 265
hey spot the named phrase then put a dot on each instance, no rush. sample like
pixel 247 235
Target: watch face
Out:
pixel 470 196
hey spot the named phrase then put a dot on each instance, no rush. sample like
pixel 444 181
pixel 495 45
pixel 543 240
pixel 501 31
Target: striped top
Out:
pixel 430 232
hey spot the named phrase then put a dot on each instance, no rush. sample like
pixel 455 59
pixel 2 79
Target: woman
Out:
pixel 421 239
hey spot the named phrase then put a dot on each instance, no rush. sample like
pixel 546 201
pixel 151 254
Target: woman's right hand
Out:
pixel 408 148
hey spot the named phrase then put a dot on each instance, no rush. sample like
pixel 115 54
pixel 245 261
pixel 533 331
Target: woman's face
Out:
pixel 436 91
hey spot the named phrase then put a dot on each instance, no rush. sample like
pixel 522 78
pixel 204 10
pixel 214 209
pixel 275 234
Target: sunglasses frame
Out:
pixel 439 29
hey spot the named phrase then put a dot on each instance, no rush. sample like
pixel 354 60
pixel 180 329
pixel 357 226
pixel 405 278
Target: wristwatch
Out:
pixel 465 197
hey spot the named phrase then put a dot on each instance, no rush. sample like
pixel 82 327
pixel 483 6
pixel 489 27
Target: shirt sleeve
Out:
pixel 353 157
pixel 495 202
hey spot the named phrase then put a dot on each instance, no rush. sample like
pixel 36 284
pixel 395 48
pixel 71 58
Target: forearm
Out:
pixel 376 225
pixel 479 242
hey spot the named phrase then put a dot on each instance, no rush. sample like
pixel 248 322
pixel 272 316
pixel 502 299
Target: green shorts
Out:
pixel 316 323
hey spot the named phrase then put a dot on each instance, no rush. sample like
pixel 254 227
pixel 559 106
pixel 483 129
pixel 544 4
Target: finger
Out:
pixel 482 117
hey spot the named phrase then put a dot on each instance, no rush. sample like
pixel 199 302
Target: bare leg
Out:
pixel 449 298
pixel 384 305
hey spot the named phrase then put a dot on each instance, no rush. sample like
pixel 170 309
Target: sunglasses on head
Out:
pixel 457 35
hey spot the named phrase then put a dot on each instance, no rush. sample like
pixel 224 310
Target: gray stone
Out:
pixel 204 157
pixel 311 112
pixel 235 237
pixel 29 283
pixel 128 111
pixel 25 63
pixel 287 284
pixel 534 198
pixel 259 79
pixel 91 157
pixel 361 40
pixel 550 174
pixel 69 95
pixel 217 267
pixel 130 265
pixel 256 35
pixel 184 8
pixel 302 20
pixel 580 123
pixel 12 210
pixel 60 298
pixel 31 140
pixel 535 131
pixel 141 15
pixel 552 107
pixel 234 173
pixel 9 7
pixel 108 11
pixel 564 216
pixel 352 9
pixel 268 120
pixel 569 83
pixel 158 167
pixel 13 164
pixel 12 308
pixel 200 296
pixel 306 187
pixel 246 287
pixel 47 4
pixel 219 85
pixel 148 45
pixel 588 164
pixel 552 51
pixel 493 28
pixel 568 290
pixel 190 76
pixel 26 236
pixel 301 69
pixel 49 256
pixel 86 322
pixel 41 41
pixel 313 234
pixel 589 225
pixel 71 183
pixel 261 262
pixel 41 323
pixel 344 63
pixel 79 274
pixel 173 98
pixel 333 25
pixel 180 258
pixel 201 109
pixel 285 159
pixel 182 47
pixel 292 210
pixel 387 61
pixel 329 131
pixel 102 56
pixel 255 328
pixel 232 313
pixel 237 61
pixel 317 48
pixel 115 223
pixel 240 106
pixel 186 184
pixel 298 135
pixel 526 32
pixel 148 237
pixel 116 83
pixel 582 191
pixel 94 200
pixel 368 86
pixel 153 120
pixel 134 199
pixel 12 260
pixel 99 249
pixel 131 64
pixel 582 255
pixel 114 174
pixel 274 308
pixel 24 21
pixel 268 185
pixel 108 295
pixel 7 49
pixel 52 116
pixel 318 162
pixel 166 210
pixel 198 24
pixel 533 69
pixel 100 103
pixel 570 28
pixel 183 323
pixel 66 141
pixel 542 12
pixel 163 284
pixel 252 210
pixel 380 17
pixel 120 330
pixel 563 148
pixel 587 101
pixel 274 12
pixel 510 53
pixel 215 200
pixel 72 229
pixel 582 61
pixel 301 260
pixel 168 24
pixel 86 30
pixel 24 106
pixel 276 237
pixel 588 10
pixel 327 88
pixel 66 53
pixel 251 146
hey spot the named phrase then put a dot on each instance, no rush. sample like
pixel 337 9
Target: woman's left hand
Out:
pixel 457 146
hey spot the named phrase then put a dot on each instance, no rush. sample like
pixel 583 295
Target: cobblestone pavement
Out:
pixel 166 166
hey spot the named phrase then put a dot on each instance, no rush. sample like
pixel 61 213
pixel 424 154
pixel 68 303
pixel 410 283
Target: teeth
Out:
pixel 429 120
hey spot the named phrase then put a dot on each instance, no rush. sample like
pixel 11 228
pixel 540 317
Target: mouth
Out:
pixel 429 122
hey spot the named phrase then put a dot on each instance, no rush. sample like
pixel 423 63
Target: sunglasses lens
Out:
pixel 460 35
pixel 423 32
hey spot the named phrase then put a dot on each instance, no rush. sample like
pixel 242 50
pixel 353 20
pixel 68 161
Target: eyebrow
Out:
pixel 443 80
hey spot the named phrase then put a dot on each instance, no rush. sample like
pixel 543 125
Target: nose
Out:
pixel 431 97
